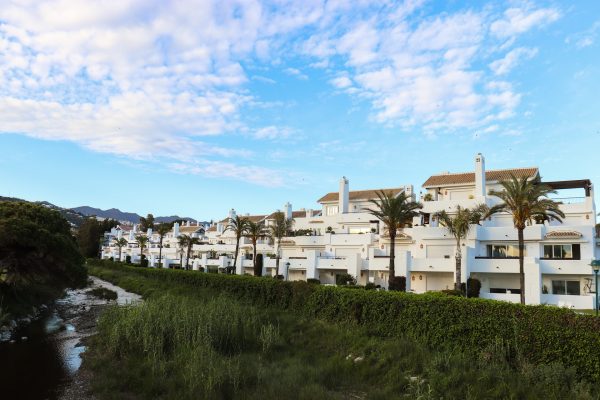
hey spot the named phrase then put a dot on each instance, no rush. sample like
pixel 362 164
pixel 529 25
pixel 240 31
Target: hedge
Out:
pixel 536 334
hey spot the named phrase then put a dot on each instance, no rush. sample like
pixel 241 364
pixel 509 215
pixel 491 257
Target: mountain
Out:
pixel 74 217
pixel 119 215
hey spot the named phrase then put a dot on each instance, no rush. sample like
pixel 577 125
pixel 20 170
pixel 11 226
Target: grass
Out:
pixel 182 343
pixel 103 293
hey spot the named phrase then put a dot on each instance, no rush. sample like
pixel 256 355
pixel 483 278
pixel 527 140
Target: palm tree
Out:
pixel 254 232
pixel 238 226
pixel 162 231
pixel 395 213
pixel 280 228
pixel 458 225
pixel 182 242
pixel 190 242
pixel 527 200
pixel 142 241
pixel 120 243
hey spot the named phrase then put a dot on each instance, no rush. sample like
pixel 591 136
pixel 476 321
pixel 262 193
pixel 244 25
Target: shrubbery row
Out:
pixel 537 334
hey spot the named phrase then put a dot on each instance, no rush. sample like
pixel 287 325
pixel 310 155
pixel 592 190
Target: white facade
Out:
pixel 342 237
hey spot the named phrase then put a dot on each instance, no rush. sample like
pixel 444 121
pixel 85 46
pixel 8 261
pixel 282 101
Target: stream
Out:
pixel 43 358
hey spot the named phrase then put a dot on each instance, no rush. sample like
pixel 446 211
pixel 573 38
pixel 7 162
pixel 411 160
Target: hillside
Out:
pixel 119 215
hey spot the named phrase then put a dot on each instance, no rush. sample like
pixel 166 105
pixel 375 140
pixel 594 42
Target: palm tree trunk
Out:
pixel 392 273
pixel 237 249
pixel 256 273
pixel 458 258
pixel 521 263
pixel 277 259
pixel 187 257
pixel 120 248
pixel 160 263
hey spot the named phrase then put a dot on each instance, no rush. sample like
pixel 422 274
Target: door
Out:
pixel 418 282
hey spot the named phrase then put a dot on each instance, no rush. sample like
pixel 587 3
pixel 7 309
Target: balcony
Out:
pixel 332 263
pixel 565 266
pixel 433 264
pixel 510 297
pixel 504 265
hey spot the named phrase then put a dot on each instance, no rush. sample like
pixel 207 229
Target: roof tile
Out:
pixel 469 177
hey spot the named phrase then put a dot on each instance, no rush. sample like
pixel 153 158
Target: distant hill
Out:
pixel 74 217
pixel 119 215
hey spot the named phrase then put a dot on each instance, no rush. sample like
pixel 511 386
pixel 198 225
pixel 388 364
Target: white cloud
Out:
pixel 586 38
pixel 341 82
pixel 512 59
pixel 273 132
pixel 516 21
pixel 295 72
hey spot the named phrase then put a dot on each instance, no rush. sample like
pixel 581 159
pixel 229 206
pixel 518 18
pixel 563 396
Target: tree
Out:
pixel 162 231
pixel 90 234
pixel 142 241
pixel 189 243
pixel 458 225
pixel 182 242
pixel 395 213
pixel 527 201
pixel 280 228
pixel 146 223
pixel 238 226
pixel 254 232
pixel 120 243
pixel 37 248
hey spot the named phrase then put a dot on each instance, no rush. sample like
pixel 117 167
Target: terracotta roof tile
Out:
pixel 359 194
pixel 469 177
pixel 563 235
pixel 212 229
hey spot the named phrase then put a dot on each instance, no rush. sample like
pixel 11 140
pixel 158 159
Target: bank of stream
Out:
pixel 42 360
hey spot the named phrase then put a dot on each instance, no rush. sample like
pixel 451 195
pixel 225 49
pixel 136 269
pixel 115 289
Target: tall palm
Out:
pixel 254 232
pixel 120 243
pixel 526 200
pixel 162 231
pixel 182 243
pixel 142 241
pixel 238 226
pixel 190 242
pixel 281 227
pixel 458 225
pixel 395 213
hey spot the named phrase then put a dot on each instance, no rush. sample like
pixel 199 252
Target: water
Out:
pixel 46 354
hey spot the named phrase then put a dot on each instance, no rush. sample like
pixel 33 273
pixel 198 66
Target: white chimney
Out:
pixel 344 195
pixel 287 210
pixel 149 233
pixel 232 214
pixel 309 213
pixel 479 175
pixel 176 229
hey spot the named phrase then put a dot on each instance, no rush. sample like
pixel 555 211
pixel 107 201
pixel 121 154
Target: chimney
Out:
pixel 287 210
pixel 232 214
pixel 344 196
pixel 309 213
pixel 176 229
pixel 479 175
pixel 149 233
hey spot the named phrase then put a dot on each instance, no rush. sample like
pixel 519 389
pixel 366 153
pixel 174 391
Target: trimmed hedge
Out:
pixel 536 334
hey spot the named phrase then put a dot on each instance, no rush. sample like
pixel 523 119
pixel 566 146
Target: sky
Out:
pixel 196 107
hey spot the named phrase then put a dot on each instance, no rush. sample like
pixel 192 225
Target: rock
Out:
pixel 25 320
pixel 358 359
pixel 349 356
pixel 23 338
pixel 12 341
pixel 12 324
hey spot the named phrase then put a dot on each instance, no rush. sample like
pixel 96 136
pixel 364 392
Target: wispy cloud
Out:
pixel 512 59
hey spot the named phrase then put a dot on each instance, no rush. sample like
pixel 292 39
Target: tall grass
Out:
pixel 202 344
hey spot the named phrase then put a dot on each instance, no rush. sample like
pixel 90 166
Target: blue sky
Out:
pixel 193 107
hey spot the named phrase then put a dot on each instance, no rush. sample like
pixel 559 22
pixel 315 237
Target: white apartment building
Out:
pixel 341 237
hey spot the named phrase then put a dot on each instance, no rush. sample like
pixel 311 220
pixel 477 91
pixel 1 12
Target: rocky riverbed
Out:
pixel 42 357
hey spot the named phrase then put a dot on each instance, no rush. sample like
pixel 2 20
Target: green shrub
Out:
pixel 398 283
pixel 370 286
pixel 127 259
pixel 345 279
pixel 103 293
pixel 313 281
pixel 540 334
pixel 453 292
pixel 474 286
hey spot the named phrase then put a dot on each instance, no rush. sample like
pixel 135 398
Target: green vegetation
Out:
pixel 395 213
pixel 103 293
pixel 526 201
pixel 39 257
pixel 186 343
pixel 89 235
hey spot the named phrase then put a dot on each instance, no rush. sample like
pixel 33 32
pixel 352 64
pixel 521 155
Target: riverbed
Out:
pixel 43 359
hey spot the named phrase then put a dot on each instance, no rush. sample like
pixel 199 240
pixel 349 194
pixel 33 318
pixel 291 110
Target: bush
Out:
pixel 398 283
pixel 453 292
pixel 539 334
pixel 370 286
pixel 313 281
pixel 345 280
pixel 474 286
pixel 128 259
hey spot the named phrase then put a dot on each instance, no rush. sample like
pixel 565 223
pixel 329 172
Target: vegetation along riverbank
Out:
pixel 214 336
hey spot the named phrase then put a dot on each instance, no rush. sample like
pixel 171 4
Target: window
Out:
pixel 365 229
pixel 332 210
pixel 562 251
pixel 503 250
pixel 566 287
